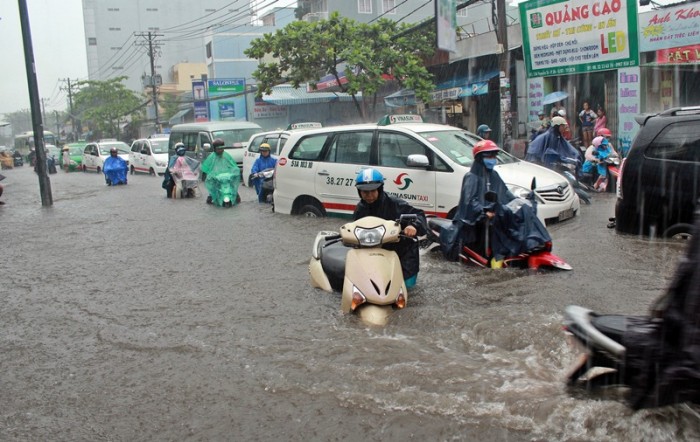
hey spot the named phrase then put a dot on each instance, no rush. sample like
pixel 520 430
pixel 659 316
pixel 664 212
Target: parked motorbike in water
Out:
pixel 479 252
pixel 354 262
pixel 223 189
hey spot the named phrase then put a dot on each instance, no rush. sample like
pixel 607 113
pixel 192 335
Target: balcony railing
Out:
pixel 315 16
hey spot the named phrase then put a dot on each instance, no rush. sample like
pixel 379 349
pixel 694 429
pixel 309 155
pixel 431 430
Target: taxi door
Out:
pixel 415 185
pixel 347 154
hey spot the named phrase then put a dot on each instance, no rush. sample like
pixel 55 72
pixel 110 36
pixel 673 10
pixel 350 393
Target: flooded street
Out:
pixel 127 316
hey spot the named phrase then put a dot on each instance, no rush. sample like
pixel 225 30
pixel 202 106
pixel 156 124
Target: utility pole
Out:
pixel 504 78
pixel 69 89
pixel 152 48
pixel 43 109
pixel 37 123
pixel 58 126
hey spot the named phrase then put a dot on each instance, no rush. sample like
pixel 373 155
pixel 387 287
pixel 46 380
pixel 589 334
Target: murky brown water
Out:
pixel 126 316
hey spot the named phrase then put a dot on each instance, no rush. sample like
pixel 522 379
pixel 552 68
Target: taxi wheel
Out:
pixel 151 172
pixel 310 211
pixel 84 169
pixel 131 170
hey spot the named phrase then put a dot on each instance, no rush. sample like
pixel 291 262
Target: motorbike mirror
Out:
pixel 491 196
pixel 207 147
pixel 533 185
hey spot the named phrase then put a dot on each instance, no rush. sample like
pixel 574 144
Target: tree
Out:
pixel 105 105
pixel 368 54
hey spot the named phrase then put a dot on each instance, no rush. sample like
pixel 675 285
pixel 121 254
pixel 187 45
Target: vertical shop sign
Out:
pixel 535 95
pixel 578 36
pixel 201 108
pixel 227 99
pixel 628 103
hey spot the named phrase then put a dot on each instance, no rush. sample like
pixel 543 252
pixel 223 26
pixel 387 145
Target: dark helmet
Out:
pixel 369 179
pixel 218 143
pixel 264 146
pixel 484 146
pixel 113 150
pixel 482 129
pixel 180 149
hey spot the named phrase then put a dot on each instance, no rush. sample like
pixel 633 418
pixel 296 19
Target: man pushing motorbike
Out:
pixel 221 175
pixel 374 202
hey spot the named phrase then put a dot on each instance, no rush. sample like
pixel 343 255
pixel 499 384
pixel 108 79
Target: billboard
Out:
pixel 227 99
pixel 578 36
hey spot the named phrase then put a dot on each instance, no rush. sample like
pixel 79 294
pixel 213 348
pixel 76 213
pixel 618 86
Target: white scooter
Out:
pixel 354 261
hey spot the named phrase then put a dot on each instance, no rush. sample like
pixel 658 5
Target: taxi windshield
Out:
pixel 159 146
pixel 458 145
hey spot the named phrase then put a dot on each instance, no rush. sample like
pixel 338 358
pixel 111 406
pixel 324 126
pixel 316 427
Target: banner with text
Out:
pixel 230 104
pixel 628 106
pixel 669 27
pixel 578 36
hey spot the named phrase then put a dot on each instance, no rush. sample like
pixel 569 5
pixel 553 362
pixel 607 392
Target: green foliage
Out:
pixel 370 54
pixel 105 105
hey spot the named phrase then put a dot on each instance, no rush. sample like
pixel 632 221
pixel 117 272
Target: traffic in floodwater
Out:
pixel 130 316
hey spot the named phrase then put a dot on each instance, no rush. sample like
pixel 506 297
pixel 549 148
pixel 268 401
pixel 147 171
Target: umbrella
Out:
pixel 554 97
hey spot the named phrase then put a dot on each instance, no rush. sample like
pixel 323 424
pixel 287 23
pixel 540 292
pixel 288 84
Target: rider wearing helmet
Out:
pixel 168 182
pixel 513 227
pixel 216 164
pixel 483 131
pixel 263 162
pixel 375 202
pixel 114 168
pixel 551 147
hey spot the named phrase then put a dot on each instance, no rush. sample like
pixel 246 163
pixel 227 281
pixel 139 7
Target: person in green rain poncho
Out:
pixel 221 176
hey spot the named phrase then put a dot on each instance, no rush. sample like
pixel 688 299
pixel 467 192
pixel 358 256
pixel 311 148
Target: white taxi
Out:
pixel 95 153
pixel 423 163
pixel 275 138
pixel 149 155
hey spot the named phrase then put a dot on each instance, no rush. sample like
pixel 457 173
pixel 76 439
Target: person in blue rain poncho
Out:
pixel 599 151
pixel 115 169
pixel 551 147
pixel 217 166
pixel 263 162
pixel 513 226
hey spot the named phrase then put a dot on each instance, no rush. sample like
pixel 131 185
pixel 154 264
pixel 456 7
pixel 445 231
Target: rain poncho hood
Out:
pixel 390 208
pixel 551 147
pixel 662 361
pixel 115 170
pixel 223 177
pixel 515 228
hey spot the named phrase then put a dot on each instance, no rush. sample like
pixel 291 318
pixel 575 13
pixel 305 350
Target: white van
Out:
pixel 423 164
pixel 95 153
pixel 197 137
pixel 275 138
pixel 149 155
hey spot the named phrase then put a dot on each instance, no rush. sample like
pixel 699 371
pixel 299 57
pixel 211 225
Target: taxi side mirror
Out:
pixel 417 160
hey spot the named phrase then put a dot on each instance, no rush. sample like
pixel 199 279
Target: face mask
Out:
pixel 490 163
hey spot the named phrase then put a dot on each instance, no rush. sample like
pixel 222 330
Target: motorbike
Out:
pixel 267 185
pixel 223 190
pixel 115 172
pixel 185 178
pixel 479 252
pixel 354 262
pixel 17 159
pixel 569 170
pixel 607 182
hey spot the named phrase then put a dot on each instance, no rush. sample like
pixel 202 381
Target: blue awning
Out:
pixel 286 95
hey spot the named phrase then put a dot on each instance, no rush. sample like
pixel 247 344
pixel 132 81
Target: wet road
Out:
pixel 126 316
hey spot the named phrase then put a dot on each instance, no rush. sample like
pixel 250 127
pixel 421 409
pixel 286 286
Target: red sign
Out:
pixel 683 54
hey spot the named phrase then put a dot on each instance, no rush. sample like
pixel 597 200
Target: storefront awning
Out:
pixel 286 95
pixel 179 117
pixel 460 87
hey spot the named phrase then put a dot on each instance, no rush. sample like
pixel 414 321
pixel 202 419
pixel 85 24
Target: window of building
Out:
pixel 209 50
pixel 92 41
pixel 364 6
pixel 151 9
pixel 115 29
pixel 389 6
pixel 112 9
pixel 462 12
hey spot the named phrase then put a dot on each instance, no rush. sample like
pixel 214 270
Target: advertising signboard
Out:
pixel 669 27
pixel 578 36
pixel 201 109
pixel 230 104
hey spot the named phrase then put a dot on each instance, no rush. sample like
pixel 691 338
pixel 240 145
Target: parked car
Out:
pixel 423 163
pixel 149 155
pixel 275 138
pixel 75 152
pixel 659 183
pixel 95 153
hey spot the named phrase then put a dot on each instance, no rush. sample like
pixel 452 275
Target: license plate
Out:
pixel 566 214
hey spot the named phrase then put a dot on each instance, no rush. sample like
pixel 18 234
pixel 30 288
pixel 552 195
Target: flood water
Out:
pixel 127 316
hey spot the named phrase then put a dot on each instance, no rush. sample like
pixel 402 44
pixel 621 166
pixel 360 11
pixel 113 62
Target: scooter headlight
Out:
pixel 370 237
pixel 400 300
pixel 227 199
pixel 357 298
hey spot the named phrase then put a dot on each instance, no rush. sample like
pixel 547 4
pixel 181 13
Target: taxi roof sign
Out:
pixel 396 119
pixel 308 125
